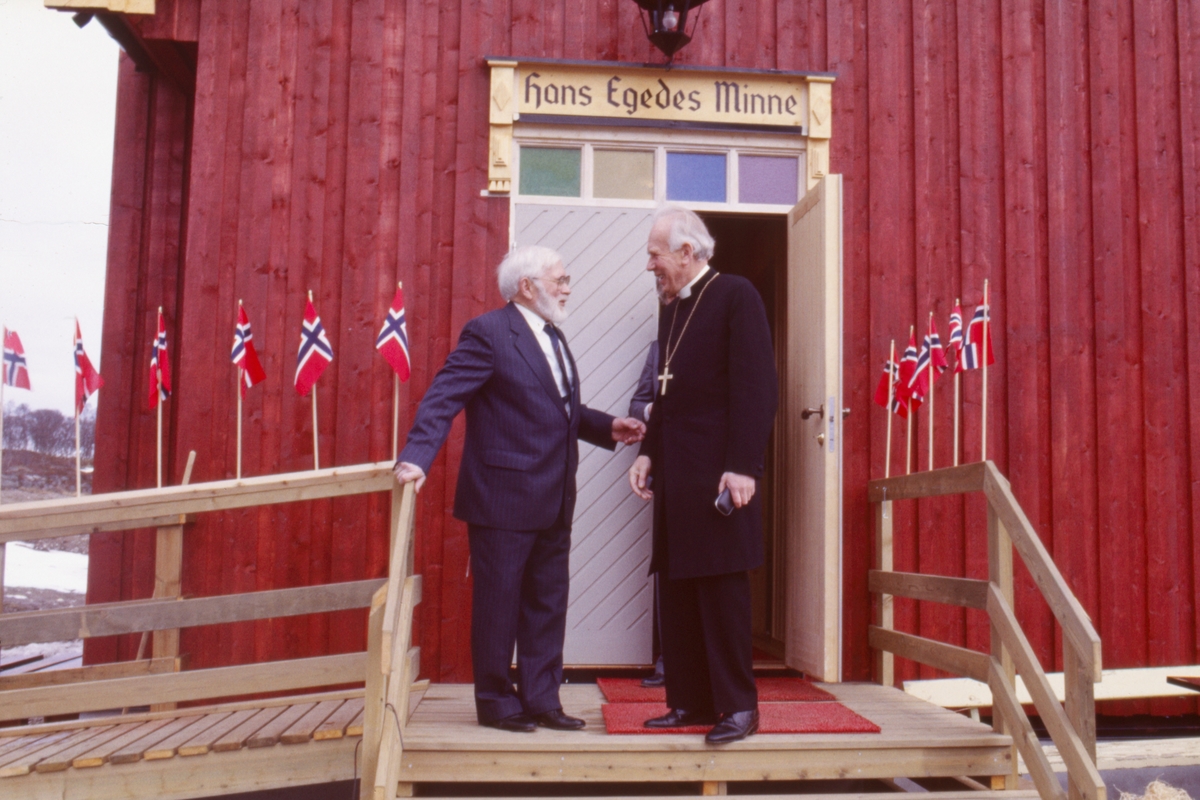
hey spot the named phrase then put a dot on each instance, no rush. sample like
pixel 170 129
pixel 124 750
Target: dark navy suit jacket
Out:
pixel 521 454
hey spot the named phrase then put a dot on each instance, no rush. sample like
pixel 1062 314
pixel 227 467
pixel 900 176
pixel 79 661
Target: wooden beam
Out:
pixel 373 697
pixel 884 561
pixel 97 672
pixel 403 510
pixel 933 483
pixel 169 501
pixel 1023 736
pixel 118 6
pixel 964 592
pixel 272 676
pixel 1076 624
pixel 948 657
pixel 133 616
pixel 85 528
pixel 1080 766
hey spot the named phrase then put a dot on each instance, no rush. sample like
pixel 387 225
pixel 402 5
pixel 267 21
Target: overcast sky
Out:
pixel 58 88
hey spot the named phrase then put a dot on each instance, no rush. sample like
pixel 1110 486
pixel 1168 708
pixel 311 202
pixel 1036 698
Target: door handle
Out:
pixel 808 412
pixel 821 439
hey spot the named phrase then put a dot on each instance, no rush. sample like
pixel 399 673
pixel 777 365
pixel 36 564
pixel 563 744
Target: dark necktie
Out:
pixel 562 364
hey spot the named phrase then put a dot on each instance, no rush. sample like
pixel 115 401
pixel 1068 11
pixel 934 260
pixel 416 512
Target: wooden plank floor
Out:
pixel 284 742
pixel 444 743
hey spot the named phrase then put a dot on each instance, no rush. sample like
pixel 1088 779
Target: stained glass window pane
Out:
pixel 624 174
pixel 768 179
pixel 696 177
pixel 550 171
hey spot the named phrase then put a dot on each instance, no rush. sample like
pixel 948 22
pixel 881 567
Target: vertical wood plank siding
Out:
pixel 1051 148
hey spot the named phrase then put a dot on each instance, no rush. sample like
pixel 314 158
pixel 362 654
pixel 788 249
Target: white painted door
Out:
pixel 611 324
pixel 812 440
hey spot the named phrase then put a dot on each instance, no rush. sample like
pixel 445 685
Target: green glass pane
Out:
pixel 624 174
pixel 550 171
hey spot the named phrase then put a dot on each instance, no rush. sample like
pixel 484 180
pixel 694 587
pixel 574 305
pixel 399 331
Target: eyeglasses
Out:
pixel 563 283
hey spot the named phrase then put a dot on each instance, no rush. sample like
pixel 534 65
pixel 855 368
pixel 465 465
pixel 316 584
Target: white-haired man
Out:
pixel 513 373
pixel 707 435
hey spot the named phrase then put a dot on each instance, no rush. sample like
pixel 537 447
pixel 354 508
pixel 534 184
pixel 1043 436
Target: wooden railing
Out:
pixel 1073 730
pixel 387 667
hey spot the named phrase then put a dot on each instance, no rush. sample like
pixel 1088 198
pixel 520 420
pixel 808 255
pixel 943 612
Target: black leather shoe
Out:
pixel 733 727
pixel 680 718
pixel 517 723
pixel 556 720
pixel 654 681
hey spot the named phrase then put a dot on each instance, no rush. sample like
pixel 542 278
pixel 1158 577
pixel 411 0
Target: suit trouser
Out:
pixel 520 597
pixel 707 643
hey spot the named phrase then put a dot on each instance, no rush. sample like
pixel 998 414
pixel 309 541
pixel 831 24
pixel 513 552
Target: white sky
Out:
pixel 58 87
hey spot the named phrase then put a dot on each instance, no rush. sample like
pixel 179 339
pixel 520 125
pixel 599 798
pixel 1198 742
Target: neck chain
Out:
pixel 666 373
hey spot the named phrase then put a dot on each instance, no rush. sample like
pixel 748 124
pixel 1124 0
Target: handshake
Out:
pixel 628 430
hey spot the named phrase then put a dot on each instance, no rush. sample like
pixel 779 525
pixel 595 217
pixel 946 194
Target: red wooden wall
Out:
pixel 1053 148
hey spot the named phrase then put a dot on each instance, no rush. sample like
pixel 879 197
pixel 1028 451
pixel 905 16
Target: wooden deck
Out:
pixel 296 741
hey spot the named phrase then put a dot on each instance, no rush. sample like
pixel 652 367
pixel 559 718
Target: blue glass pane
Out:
pixel 696 176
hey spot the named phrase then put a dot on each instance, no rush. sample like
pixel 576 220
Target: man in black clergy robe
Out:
pixel 708 432
pixel 513 373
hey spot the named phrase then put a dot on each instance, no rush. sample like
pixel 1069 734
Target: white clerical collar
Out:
pixel 535 320
pixel 686 291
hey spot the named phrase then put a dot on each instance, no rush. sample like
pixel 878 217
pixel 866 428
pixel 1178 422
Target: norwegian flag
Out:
pixel 975 345
pixel 886 390
pixel 87 380
pixel 937 356
pixel 243 356
pixel 392 341
pixel 956 331
pixel 16 372
pixel 315 351
pixel 908 391
pixel 160 365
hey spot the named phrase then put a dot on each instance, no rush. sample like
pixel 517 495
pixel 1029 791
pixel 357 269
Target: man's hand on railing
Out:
pixel 406 472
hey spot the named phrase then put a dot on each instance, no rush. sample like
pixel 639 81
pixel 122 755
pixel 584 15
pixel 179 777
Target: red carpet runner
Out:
pixel 786 705
pixel 824 717
pixel 770 690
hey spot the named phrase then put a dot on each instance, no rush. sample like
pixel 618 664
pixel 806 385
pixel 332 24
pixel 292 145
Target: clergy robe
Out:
pixel 714 417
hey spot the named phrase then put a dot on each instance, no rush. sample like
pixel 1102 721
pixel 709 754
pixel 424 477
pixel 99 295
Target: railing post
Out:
pixel 1000 574
pixel 884 562
pixel 1080 707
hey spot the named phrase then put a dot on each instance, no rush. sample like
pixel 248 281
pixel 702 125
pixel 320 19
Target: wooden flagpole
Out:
pixel 957 376
pixel 316 445
pixel 395 414
pixel 987 312
pixel 909 417
pixel 931 379
pixel 239 424
pixel 78 465
pixel 887 465
pixel 159 404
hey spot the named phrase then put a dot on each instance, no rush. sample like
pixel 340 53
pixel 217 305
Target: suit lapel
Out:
pixel 575 397
pixel 532 352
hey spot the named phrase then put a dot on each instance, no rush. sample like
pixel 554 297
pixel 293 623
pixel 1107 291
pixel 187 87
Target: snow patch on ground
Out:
pixel 55 569
pixel 50 651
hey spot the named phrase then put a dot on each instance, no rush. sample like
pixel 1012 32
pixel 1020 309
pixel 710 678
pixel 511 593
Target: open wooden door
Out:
pixel 811 440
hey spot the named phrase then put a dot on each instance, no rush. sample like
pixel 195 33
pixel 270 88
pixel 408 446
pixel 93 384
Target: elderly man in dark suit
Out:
pixel 707 435
pixel 513 373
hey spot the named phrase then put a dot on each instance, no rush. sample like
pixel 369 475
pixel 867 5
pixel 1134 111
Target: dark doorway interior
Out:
pixel 755 247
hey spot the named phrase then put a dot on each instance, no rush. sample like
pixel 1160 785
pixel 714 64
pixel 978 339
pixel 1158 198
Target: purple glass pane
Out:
pixel 768 179
pixel 696 176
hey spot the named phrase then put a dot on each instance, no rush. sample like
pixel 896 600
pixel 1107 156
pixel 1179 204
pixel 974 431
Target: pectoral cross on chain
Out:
pixel 666 376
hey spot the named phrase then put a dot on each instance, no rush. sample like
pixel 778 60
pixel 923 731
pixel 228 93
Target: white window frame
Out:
pixel 658 140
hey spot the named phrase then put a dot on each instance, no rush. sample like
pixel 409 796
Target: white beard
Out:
pixel 548 308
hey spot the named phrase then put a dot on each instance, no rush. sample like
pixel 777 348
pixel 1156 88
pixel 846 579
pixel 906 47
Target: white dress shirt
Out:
pixel 538 326
pixel 686 291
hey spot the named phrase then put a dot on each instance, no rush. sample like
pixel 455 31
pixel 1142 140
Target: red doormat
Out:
pixel 773 718
pixel 770 690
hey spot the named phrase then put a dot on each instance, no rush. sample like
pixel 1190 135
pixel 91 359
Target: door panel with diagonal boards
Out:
pixel 612 321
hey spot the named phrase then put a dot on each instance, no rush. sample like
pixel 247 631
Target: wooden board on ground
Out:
pixel 1117 684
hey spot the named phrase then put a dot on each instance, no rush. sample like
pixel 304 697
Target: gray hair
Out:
pixel 530 261
pixel 686 228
